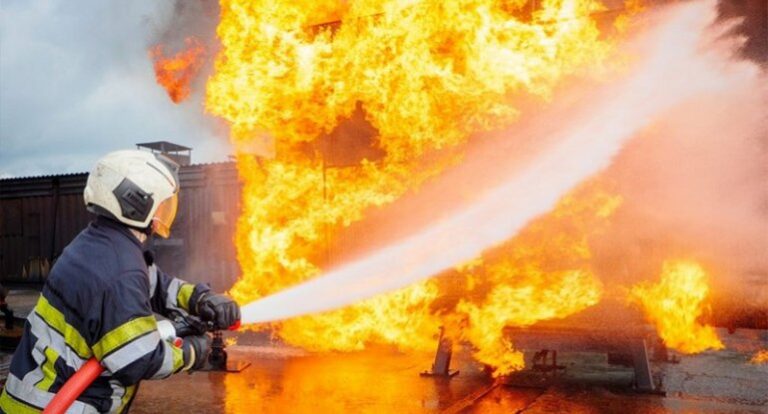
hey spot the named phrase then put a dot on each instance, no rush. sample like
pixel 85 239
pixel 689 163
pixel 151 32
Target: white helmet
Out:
pixel 137 188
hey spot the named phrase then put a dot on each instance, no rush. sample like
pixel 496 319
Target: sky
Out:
pixel 76 82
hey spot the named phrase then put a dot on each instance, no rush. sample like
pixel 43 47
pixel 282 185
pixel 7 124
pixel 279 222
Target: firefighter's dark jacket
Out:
pixel 97 302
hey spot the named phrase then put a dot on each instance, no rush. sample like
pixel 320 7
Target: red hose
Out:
pixel 74 386
pixel 77 383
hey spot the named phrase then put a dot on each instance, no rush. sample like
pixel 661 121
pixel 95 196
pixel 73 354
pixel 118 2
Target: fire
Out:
pixel 426 75
pixel 543 273
pixel 403 318
pixel 177 72
pixel 537 297
pixel 761 357
pixel 674 305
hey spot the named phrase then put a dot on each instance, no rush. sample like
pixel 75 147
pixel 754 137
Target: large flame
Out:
pixel 674 305
pixel 544 273
pixel 425 75
pixel 175 73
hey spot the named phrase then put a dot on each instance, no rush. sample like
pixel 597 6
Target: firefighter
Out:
pixel 102 292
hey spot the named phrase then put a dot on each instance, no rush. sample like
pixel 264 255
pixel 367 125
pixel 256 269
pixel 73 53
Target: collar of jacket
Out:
pixel 121 228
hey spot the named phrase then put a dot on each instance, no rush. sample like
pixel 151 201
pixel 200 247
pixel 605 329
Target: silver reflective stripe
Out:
pixel 152 280
pixel 39 354
pixel 131 351
pixel 173 292
pixel 118 391
pixel 167 368
pixel 48 337
pixel 166 329
pixel 25 391
pixel 34 376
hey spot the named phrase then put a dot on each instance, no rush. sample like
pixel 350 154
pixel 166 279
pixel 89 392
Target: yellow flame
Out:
pixel 760 357
pixel 428 72
pixel 425 75
pixel 543 273
pixel 551 296
pixel 402 318
pixel 674 305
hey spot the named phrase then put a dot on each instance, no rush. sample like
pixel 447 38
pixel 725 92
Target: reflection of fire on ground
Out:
pixel 381 381
pixel 418 83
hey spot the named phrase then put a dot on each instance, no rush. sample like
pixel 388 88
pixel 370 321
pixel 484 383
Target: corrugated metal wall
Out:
pixel 200 249
pixel 38 218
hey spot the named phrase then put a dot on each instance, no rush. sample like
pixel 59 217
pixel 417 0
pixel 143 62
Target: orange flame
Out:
pixel 427 75
pixel 177 72
pixel 674 305
pixel 761 357
pixel 537 297
pixel 543 273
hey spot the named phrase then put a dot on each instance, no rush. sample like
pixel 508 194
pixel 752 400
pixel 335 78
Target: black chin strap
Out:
pixel 149 257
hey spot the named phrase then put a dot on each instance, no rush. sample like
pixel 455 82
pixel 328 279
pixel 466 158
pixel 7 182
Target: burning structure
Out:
pixel 417 89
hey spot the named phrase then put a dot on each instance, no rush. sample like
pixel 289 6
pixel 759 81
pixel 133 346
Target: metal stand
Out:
pixel 643 377
pixel 621 348
pixel 441 366
pixel 541 363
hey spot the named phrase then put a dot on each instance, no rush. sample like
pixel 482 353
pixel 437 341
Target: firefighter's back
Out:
pixel 71 311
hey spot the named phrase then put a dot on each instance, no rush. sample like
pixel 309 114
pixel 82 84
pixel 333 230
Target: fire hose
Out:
pixel 173 330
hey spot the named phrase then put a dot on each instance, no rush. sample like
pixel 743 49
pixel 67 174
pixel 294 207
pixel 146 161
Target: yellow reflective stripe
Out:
pixel 185 292
pixel 49 369
pixel 178 358
pixel 123 334
pixel 11 405
pixel 56 320
pixel 129 390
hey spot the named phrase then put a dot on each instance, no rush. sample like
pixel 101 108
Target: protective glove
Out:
pixel 219 309
pixel 196 349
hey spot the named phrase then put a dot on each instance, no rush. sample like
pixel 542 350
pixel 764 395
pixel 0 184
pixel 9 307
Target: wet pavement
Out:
pixel 284 380
pixel 597 400
pixel 725 375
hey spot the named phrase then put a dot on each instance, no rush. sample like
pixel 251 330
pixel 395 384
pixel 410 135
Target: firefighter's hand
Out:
pixel 196 349
pixel 219 309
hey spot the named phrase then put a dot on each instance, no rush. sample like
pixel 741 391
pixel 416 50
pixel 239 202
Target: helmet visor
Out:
pixel 165 215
